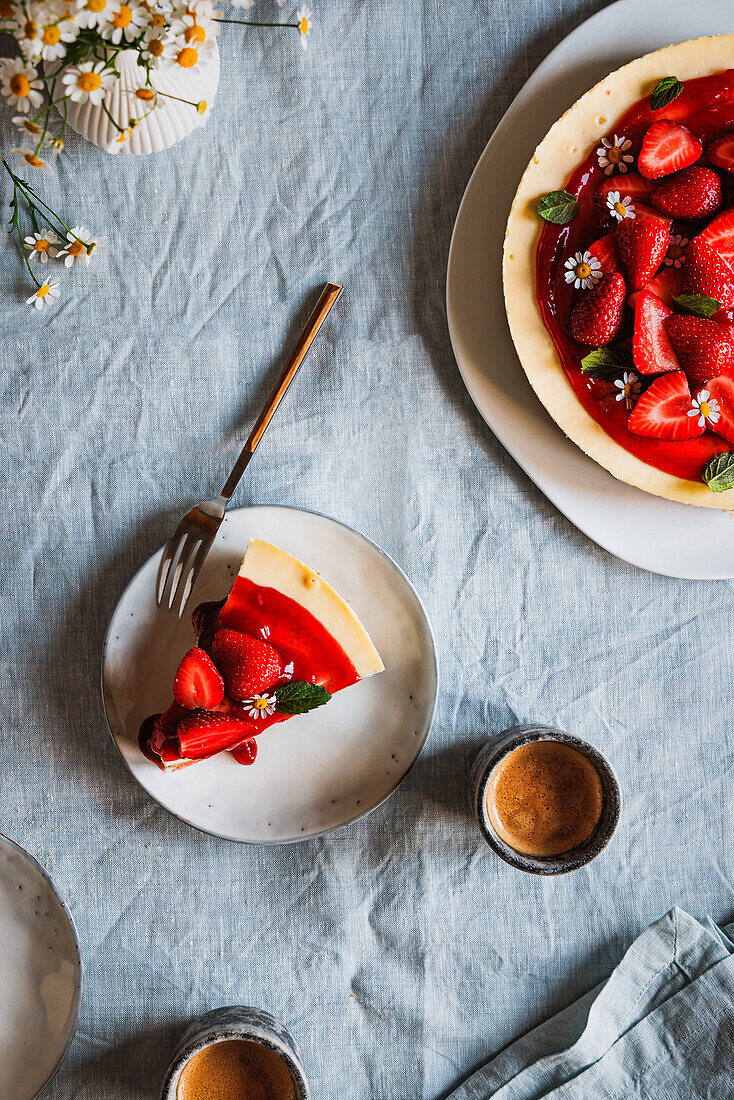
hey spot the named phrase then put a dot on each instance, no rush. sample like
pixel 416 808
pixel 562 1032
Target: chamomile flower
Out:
pixel 583 270
pixel 27 30
pixel 20 84
pixel 31 157
pixel 260 706
pixel 613 153
pixel 27 125
pixel 303 15
pixel 676 251
pixel 190 57
pixel 123 21
pixel 706 408
pixel 55 38
pixel 197 23
pixel 629 388
pixel 41 245
pixel 157 46
pixel 620 208
pixel 87 82
pixel 92 13
pixel 74 250
pixel 44 294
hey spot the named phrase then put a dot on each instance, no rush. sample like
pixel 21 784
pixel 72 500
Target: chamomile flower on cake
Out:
pixel 706 408
pixel 613 154
pixel 20 84
pixel 87 81
pixel 583 270
pixel 41 246
pixel 620 207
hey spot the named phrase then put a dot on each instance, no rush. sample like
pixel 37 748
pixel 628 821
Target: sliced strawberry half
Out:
pixel 665 284
pixel 165 727
pixel 248 665
pixel 704 272
pixel 691 194
pixel 721 416
pixel 198 684
pixel 667 147
pixel 641 245
pixel 630 184
pixel 721 152
pixel 662 410
pixel 605 251
pixel 651 348
pixel 642 210
pixel 703 347
pixel 719 235
pixel 206 733
pixel 597 316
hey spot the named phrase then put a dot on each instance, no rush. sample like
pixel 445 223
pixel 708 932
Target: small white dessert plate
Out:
pixel 41 976
pixel 660 535
pixel 320 770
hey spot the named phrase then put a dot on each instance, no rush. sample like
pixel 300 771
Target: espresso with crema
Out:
pixel 236 1069
pixel 545 798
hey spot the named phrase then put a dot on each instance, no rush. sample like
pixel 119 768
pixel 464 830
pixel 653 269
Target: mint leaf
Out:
pixel 298 697
pixel 606 364
pixel 558 207
pixel 719 472
pixel 697 304
pixel 664 92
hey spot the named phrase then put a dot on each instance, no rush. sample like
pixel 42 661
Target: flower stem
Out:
pixel 253 23
pixel 16 223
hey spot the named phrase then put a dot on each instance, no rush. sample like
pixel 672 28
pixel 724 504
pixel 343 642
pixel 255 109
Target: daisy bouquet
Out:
pixel 71 52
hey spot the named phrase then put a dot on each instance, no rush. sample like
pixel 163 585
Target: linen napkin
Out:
pixel 660 1028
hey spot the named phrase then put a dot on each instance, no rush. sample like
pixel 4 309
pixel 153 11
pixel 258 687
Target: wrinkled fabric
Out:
pixel 661 1028
pixel 400 951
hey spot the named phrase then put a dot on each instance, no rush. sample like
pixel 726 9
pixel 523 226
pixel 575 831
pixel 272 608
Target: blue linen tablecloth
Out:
pixel 400 951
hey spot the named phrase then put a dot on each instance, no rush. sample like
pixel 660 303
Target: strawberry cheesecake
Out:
pixel 281 644
pixel 619 272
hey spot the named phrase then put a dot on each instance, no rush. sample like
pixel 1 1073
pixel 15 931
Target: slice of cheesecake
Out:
pixel 283 642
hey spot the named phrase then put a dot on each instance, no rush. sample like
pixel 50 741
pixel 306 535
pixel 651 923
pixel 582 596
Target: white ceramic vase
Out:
pixel 168 123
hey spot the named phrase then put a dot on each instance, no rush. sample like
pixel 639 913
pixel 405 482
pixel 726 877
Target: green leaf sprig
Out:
pixel 697 304
pixel 558 207
pixel 719 472
pixel 298 697
pixel 664 92
pixel 606 364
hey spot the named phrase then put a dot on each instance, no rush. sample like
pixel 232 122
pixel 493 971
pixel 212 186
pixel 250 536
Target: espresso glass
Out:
pixel 252 1025
pixel 497 749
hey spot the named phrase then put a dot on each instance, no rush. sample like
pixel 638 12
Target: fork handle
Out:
pixel 328 297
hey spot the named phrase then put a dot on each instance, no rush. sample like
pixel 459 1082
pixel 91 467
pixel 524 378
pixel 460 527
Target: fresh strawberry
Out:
pixel 248 665
pixel 247 753
pixel 704 272
pixel 662 410
pixel 641 245
pixel 205 733
pixel 703 347
pixel 198 684
pixel 721 152
pixel 665 285
pixel 667 147
pixel 629 184
pixel 721 390
pixel 597 316
pixel 719 235
pixel 605 251
pixel 691 194
pixel 642 210
pixel 651 348
pixel 165 726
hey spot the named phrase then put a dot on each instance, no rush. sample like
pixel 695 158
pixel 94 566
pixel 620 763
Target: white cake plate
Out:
pixel 655 534
pixel 320 770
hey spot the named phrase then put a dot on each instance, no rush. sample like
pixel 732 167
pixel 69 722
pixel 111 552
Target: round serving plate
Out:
pixel 320 770
pixel 41 975
pixel 660 535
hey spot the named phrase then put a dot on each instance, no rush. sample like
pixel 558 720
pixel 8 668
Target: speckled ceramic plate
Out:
pixel 319 770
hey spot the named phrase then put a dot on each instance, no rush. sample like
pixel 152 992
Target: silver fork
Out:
pixel 185 553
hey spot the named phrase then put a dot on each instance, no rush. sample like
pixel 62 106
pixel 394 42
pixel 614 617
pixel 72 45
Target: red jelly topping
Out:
pixel 706 107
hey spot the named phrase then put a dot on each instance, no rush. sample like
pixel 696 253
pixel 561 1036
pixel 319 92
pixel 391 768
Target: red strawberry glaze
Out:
pixel 706 107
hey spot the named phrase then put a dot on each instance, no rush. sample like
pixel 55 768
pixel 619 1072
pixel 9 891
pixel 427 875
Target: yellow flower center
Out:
pixel 42 245
pixel 51 36
pixel 621 209
pixel 201 107
pixel 261 703
pixel 31 127
pixel 195 34
pixel 155 47
pixel 705 409
pixel 43 291
pixel 157 20
pixel 583 270
pixel 187 57
pixel 96 5
pixel 89 82
pixel 614 155
pixel 75 248
pixel 33 160
pixel 303 25
pixel 123 17
pixel 675 252
pixel 30 29
pixel 20 85
pixel 145 93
